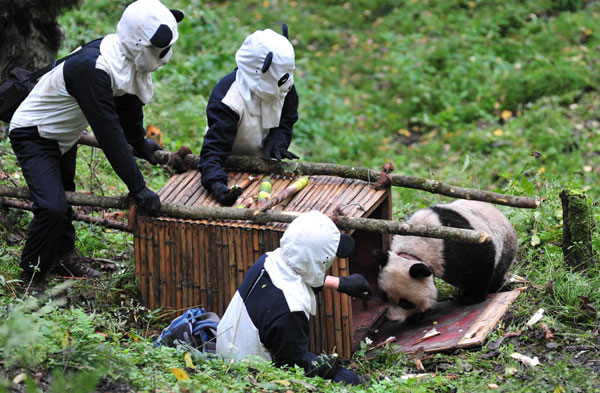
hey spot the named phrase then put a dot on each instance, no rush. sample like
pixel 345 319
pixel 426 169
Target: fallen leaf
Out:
pixel 526 360
pixel 535 317
pixel 180 374
pixel 19 378
pixel 67 339
pixel 492 386
pixel 188 361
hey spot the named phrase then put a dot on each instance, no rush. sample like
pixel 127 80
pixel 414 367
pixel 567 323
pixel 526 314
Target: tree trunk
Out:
pixel 232 213
pixel 577 229
pixel 30 34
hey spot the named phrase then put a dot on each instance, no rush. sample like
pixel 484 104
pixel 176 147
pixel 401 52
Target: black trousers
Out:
pixel 48 174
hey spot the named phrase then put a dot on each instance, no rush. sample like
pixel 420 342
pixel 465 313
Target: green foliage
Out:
pixel 426 85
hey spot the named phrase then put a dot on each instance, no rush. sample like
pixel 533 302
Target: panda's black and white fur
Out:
pixel 406 271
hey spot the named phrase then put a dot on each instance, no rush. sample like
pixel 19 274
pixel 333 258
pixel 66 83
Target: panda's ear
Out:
pixel 420 270
pixel 381 257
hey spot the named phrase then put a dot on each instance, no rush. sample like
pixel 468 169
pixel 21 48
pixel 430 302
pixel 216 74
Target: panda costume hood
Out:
pixel 145 33
pixel 266 64
pixel 307 249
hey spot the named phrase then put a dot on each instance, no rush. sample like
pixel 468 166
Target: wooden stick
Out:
pixel 285 193
pixel 232 213
pixel 297 168
pixel 105 222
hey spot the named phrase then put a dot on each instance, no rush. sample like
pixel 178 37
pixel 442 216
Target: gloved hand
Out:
pixel 277 151
pixel 325 366
pixel 148 200
pixel 224 195
pixel 146 149
pixel 355 285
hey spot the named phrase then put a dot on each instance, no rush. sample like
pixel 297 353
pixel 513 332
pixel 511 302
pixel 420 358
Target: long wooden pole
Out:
pixel 231 213
pixel 299 168
pixel 105 222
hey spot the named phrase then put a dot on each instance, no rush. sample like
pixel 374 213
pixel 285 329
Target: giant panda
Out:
pixel 406 271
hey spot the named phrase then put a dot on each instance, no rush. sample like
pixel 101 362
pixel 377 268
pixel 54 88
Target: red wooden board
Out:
pixel 460 326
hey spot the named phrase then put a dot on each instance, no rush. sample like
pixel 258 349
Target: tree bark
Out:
pixel 577 229
pixel 298 168
pixel 231 213
pixel 30 33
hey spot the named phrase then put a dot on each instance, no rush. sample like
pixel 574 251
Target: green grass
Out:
pixel 460 91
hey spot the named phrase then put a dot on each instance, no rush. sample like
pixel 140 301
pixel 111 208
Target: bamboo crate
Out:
pixel 189 263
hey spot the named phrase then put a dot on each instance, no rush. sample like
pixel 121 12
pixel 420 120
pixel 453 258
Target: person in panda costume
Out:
pixel 251 111
pixel 104 84
pixel 269 313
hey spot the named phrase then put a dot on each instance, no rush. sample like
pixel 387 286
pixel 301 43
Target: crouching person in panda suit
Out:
pixel 104 84
pixel 251 111
pixel 268 315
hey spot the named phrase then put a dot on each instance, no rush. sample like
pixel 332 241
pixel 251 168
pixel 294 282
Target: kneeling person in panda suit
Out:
pixel 268 315
pixel 251 111
pixel 407 270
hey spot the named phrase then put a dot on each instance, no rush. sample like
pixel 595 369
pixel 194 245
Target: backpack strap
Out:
pixel 34 76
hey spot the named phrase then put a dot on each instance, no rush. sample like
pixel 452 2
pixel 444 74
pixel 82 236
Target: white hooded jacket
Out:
pixel 307 249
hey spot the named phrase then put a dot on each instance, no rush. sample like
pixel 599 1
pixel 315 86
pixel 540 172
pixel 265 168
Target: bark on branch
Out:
pixel 230 213
pixel 297 168
pixel 105 222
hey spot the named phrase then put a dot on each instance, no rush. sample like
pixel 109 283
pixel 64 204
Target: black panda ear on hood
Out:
pixel 381 257
pixel 420 270
pixel 284 31
pixel 178 15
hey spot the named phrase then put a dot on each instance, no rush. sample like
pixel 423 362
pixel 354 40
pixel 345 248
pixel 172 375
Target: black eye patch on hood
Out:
pixel 283 79
pixel 162 37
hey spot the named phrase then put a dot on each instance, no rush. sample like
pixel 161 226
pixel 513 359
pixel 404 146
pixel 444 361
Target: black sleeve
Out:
pixel 287 340
pixel 289 116
pixel 131 117
pixel 92 90
pixel 218 141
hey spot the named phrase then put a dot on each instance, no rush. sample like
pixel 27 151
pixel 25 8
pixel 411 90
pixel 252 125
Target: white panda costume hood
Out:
pixel 145 33
pixel 266 64
pixel 307 249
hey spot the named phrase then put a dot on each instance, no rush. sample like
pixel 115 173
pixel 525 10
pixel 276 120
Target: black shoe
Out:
pixel 74 264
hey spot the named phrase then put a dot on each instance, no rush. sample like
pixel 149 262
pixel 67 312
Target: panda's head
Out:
pixel 406 284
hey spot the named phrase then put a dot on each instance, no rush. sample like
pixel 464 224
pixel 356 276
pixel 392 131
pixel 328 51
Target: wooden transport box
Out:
pixel 190 263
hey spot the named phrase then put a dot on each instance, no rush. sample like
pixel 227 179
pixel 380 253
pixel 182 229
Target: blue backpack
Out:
pixel 196 327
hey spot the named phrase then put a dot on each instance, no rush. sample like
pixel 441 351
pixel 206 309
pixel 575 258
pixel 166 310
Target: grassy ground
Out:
pixel 487 94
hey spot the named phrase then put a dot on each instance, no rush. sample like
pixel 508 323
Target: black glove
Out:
pixel 325 366
pixel 146 149
pixel 355 285
pixel 148 200
pixel 277 151
pixel 224 195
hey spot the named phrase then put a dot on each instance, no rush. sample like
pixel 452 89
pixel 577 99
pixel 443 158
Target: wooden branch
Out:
pixel 105 222
pixel 232 213
pixel 298 168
